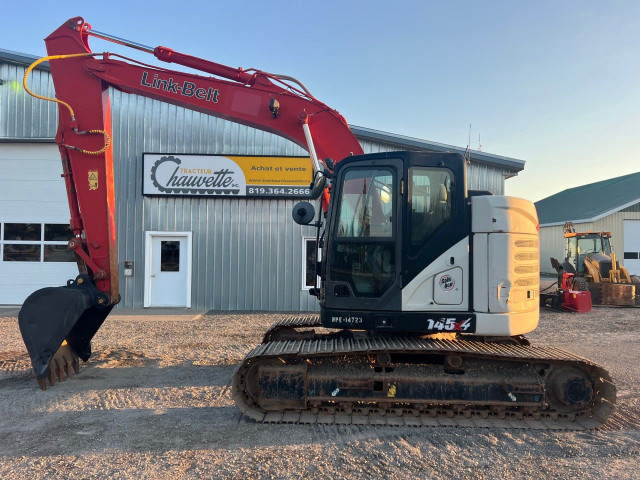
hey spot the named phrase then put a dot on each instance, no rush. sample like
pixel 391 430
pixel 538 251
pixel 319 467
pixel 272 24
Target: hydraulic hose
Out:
pixel 107 138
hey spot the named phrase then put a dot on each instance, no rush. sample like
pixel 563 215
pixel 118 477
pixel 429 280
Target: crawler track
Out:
pixel 307 377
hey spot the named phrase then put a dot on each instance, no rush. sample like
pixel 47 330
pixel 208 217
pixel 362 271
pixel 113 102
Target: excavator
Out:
pixel 427 288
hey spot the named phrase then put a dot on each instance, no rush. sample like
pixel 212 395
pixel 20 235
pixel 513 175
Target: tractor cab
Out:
pixel 594 245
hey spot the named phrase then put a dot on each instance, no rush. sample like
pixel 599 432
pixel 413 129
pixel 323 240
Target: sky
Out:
pixel 556 84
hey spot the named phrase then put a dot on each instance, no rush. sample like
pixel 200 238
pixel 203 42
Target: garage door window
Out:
pixel 35 242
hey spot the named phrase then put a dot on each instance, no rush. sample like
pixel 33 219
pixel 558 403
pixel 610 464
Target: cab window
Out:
pixel 572 252
pixel 431 203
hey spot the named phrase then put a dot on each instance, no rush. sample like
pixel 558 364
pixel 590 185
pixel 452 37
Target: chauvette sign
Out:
pixel 226 176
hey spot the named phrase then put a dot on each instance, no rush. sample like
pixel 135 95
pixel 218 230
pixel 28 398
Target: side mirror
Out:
pixel 303 213
pixel 317 186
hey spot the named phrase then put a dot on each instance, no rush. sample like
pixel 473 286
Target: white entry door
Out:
pixel 168 269
pixel 632 246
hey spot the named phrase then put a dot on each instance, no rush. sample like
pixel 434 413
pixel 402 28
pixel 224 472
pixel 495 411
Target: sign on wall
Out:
pixel 226 175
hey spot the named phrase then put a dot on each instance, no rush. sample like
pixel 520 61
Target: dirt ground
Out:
pixel 154 402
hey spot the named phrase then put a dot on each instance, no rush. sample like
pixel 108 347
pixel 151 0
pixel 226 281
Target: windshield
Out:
pixel 590 244
pixel 366 204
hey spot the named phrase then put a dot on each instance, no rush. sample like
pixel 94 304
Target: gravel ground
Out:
pixel 154 402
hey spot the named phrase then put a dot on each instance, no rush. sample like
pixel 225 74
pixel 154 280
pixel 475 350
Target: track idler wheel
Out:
pixel 569 389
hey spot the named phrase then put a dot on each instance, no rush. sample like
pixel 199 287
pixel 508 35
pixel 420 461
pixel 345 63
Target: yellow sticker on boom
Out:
pixel 93 179
pixel 391 393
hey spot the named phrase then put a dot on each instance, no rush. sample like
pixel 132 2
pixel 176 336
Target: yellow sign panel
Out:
pixel 275 170
pixel 226 175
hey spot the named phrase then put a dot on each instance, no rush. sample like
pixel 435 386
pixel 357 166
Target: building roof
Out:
pixel 403 142
pixel 588 203
pixel 9 56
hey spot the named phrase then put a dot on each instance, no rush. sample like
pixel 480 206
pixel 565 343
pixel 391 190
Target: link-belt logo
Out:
pixel 188 89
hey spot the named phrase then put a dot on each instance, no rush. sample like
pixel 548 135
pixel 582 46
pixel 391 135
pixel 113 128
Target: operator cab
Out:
pixel 392 215
pixel 596 245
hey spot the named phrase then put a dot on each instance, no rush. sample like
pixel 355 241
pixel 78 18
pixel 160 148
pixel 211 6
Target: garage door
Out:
pixel 632 246
pixel 34 221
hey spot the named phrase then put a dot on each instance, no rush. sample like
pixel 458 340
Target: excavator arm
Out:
pixel 279 104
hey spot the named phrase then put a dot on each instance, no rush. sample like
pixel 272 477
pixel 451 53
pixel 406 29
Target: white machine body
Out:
pixel 504 289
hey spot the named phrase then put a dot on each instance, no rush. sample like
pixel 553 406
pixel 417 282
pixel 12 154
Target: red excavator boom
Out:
pixel 275 103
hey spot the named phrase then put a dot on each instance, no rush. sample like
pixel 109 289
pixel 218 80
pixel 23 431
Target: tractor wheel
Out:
pixel 580 284
pixel 635 279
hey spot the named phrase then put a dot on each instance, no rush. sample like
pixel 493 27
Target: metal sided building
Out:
pixel 611 205
pixel 190 250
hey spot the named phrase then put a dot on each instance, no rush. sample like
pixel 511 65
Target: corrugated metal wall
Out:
pixel 21 115
pixel 552 238
pixel 247 253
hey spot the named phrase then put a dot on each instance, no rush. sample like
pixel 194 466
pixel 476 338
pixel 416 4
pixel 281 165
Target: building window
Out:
pixel 169 256
pixel 309 252
pixel 35 242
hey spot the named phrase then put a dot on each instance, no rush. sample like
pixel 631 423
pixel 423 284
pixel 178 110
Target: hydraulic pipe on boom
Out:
pixel 57 323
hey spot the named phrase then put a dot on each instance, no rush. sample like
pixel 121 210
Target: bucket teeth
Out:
pixel 64 363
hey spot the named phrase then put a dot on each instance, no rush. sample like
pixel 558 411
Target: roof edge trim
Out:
pixel 18 58
pixel 556 224
pixel 27 140
pixel 596 217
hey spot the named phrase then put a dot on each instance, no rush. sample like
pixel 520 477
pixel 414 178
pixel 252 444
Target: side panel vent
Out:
pixel 514 277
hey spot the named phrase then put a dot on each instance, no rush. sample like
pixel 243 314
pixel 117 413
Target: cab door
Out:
pixel 438 224
pixel 364 239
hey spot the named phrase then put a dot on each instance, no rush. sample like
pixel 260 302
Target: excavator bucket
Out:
pixel 57 325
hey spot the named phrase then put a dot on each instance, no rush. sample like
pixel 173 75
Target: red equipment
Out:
pixel 275 103
pixel 567 299
pixel 574 300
